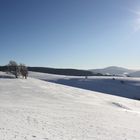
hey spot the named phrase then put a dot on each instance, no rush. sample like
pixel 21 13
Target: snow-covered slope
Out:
pixel 37 110
pixel 120 86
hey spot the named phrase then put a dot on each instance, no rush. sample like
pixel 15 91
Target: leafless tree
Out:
pixel 13 68
pixel 23 71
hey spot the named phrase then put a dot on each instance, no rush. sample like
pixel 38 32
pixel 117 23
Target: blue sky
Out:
pixel 70 33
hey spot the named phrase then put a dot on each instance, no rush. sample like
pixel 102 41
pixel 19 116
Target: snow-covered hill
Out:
pixel 113 70
pixel 37 110
pixel 120 86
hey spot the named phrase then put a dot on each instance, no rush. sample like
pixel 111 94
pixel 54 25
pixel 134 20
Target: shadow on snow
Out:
pixel 117 87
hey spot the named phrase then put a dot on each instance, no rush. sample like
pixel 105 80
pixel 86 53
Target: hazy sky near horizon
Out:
pixel 70 33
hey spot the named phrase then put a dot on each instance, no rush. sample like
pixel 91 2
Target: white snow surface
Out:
pixel 120 86
pixel 38 110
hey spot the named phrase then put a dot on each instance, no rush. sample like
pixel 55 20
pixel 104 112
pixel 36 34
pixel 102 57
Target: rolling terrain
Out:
pixel 120 86
pixel 33 109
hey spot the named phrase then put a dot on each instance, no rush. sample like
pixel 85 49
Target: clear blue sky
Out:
pixel 70 33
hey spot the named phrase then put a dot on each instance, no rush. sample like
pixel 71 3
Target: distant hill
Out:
pixel 113 70
pixel 135 74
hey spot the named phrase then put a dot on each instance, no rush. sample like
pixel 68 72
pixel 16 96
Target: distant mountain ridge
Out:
pixel 113 70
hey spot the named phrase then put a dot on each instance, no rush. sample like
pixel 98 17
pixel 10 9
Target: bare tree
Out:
pixel 13 68
pixel 23 71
